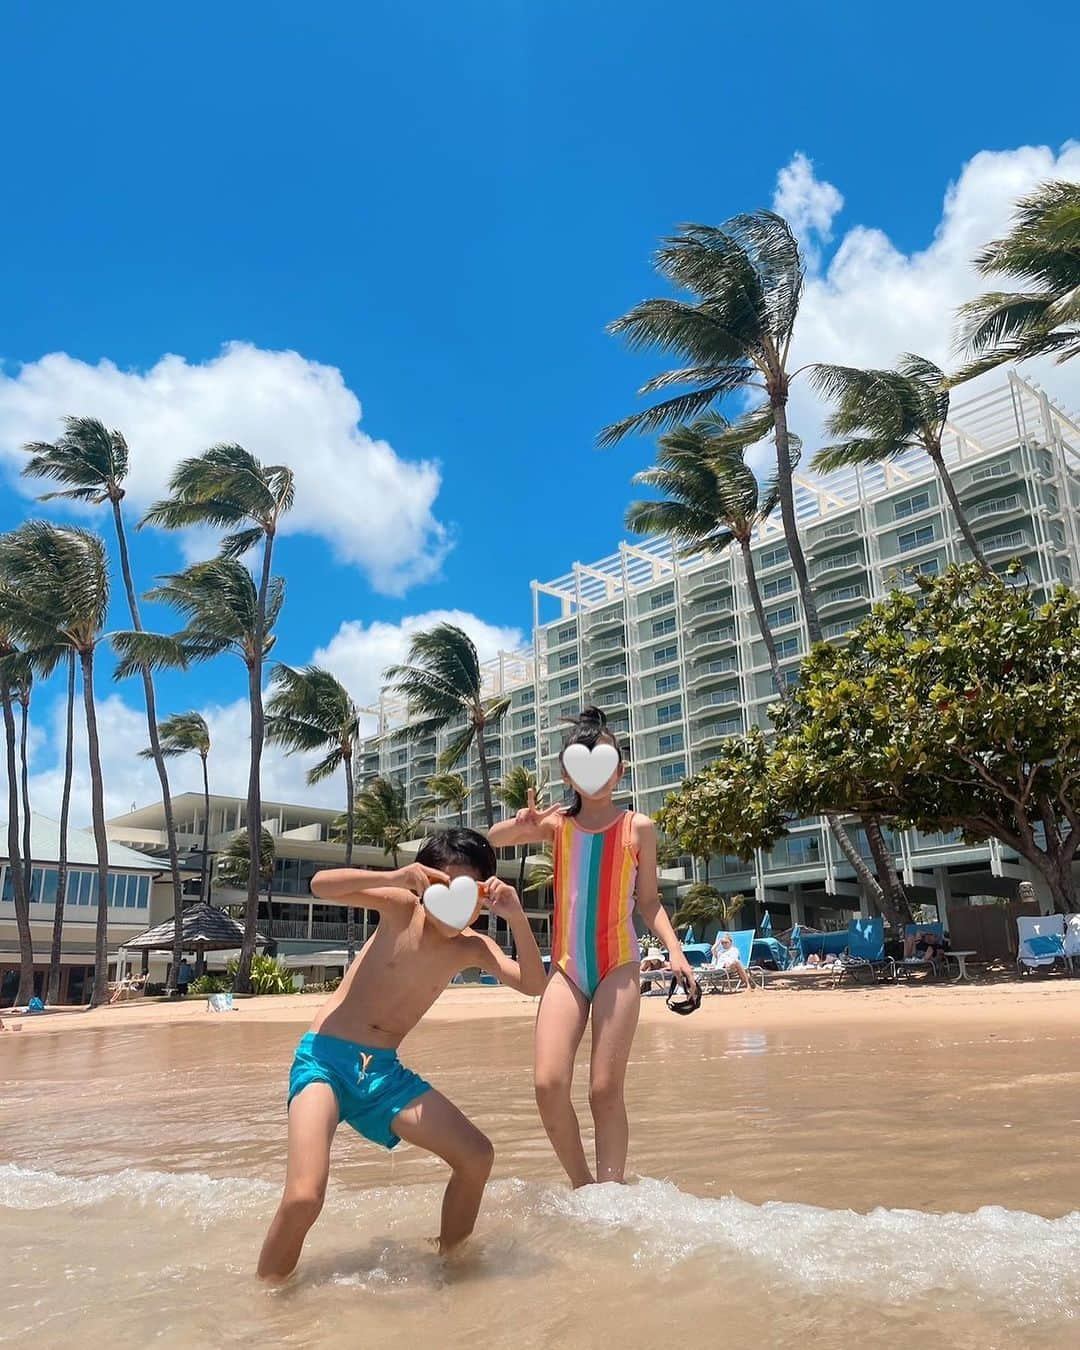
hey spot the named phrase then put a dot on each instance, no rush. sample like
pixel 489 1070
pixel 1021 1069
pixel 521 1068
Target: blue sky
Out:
pixel 446 204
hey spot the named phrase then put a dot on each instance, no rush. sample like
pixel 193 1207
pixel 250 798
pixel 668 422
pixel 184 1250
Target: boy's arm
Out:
pixel 374 890
pixel 527 974
pixel 653 913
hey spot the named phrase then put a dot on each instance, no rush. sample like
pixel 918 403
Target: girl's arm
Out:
pixel 374 890
pixel 653 913
pixel 529 826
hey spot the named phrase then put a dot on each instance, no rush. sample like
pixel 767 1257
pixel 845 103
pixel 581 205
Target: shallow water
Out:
pixel 835 1185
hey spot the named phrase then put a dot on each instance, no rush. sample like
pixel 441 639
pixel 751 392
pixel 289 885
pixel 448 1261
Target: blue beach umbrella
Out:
pixel 765 927
pixel 689 936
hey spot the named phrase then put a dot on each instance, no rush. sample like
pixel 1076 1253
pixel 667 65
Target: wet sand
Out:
pixel 881 1162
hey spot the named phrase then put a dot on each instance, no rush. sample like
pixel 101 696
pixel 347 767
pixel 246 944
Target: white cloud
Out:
pixel 373 507
pixel 807 203
pixel 357 654
pixel 873 301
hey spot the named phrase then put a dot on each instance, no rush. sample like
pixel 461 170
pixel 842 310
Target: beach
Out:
pixel 873 1162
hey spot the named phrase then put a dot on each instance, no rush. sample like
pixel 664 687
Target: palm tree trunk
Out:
pixel 100 992
pixel 485 777
pixel 254 795
pixel 155 750
pixel 351 915
pixel 205 888
pixel 786 493
pixel 934 451
pixel 897 905
pixel 52 993
pixel 19 893
pixel 26 950
pixel 836 827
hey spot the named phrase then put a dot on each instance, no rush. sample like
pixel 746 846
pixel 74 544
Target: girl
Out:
pixel 605 858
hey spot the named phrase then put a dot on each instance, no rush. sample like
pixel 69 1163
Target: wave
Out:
pixel 192 1194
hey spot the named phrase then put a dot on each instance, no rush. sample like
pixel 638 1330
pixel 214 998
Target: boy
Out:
pixel 346 1067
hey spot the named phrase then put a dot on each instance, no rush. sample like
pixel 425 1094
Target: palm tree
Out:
pixel 882 414
pixel 382 817
pixel 52 994
pixel 311 709
pixel 441 682
pixel 228 487
pixel 92 463
pixel 703 905
pixel 18 852
pixel 63 576
pixel 1042 249
pixel 712 499
pixel 450 790
pixel 234 867
pixel 186 734
pixel 223 613
pixel 514 794
pixel 745 278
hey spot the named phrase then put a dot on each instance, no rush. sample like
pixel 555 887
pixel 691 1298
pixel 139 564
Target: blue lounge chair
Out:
pixel 866 952
pixel 711 978
pixel 913 930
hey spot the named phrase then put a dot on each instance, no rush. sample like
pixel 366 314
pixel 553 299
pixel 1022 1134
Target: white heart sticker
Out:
pixel 453 905
pixel 590 770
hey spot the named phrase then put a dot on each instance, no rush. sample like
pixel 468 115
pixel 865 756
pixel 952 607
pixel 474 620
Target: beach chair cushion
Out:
pixel 1048 945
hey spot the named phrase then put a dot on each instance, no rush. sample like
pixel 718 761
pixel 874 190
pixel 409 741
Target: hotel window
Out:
pixel 661 598
pixel 669 712
pixel 665 684
pixel 671 741
pixel 772 557
pixel 916 538
pixel 788 646
pixel 528 741
pixel 911 506
pixel 567 634
pixel 780 618
pixel 570 686
pixel 528 696
pixel 529 762
pixel 662 655
pixel 527 719
pixel 567 659
pixel 1052 498
pixel 852 592
pixel 662 627
pixel 1000 470
pixel 1058 531
pixel 778 586
pixel 930 568
pixel 673 773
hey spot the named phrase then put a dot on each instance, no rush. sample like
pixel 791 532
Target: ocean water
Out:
pixel 834 1186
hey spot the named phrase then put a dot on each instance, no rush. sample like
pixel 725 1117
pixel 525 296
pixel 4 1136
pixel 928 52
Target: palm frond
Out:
pixel 141 652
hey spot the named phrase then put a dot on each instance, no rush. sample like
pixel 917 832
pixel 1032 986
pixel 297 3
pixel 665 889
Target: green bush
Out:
pixel 210 984
pixel 267 976
pixel 327 986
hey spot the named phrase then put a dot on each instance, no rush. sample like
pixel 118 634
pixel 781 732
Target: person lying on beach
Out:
pixel 653 968
pixel 725 957
pixel 347 1068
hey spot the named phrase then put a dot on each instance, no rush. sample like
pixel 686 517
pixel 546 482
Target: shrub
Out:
pixel 267 976
pixel 210 984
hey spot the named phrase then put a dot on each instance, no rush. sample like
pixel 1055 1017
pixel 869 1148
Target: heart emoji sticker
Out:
pixel 590 770
pixel 453 905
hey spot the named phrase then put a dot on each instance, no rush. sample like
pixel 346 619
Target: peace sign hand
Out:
pixel 530 816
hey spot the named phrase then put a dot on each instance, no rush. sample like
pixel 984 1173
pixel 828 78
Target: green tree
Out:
pixel 234 869
pixel 52 993
pixel 91 462
pixel 1042 250
pixel 957 709
pixel 19 864
pixel 382 817
pixel 188 734
pixel 227 487
pixel 711 499
pixel 62 576
pixel 442 682
pixel 223 613
pixel 311 710
pixel 883 414
pixel 449 790
pixel 703 905
pixel 513 792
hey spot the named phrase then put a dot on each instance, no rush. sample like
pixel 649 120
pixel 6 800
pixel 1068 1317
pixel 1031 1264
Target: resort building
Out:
pixel 140 894
pixel 670 647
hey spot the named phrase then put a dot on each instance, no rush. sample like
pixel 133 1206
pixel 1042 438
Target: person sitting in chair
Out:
pixel 725 957
pixel 923 946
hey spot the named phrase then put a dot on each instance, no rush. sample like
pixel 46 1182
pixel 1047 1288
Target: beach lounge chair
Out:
pixel 865 953
pixel 1041 943
pixel 935 963
pixel 714 979
pixel 220 1003
pixel 1072 939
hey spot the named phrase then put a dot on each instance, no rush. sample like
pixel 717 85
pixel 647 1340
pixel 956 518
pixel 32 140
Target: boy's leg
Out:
pixel 313 1118
pixel 616 1005
pixel 560 1025
pixel 434 1123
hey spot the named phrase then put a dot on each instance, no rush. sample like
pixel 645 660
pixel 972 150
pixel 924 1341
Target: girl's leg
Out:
pixel 434 1123
pixel 616 1005
pixel 313 1118
pixel 560 1025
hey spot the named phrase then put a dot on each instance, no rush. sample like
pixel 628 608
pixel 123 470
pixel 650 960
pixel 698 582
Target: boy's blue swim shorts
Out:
pixel 371 1085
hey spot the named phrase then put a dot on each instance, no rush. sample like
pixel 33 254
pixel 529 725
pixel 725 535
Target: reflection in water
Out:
pixel 808 1179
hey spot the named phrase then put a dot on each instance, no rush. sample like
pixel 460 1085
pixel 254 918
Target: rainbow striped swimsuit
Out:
pixel 595 874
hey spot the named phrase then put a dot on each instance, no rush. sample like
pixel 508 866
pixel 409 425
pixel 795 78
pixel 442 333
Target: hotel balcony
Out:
pixel 710 672
pixel 713 638
pixel 840 565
